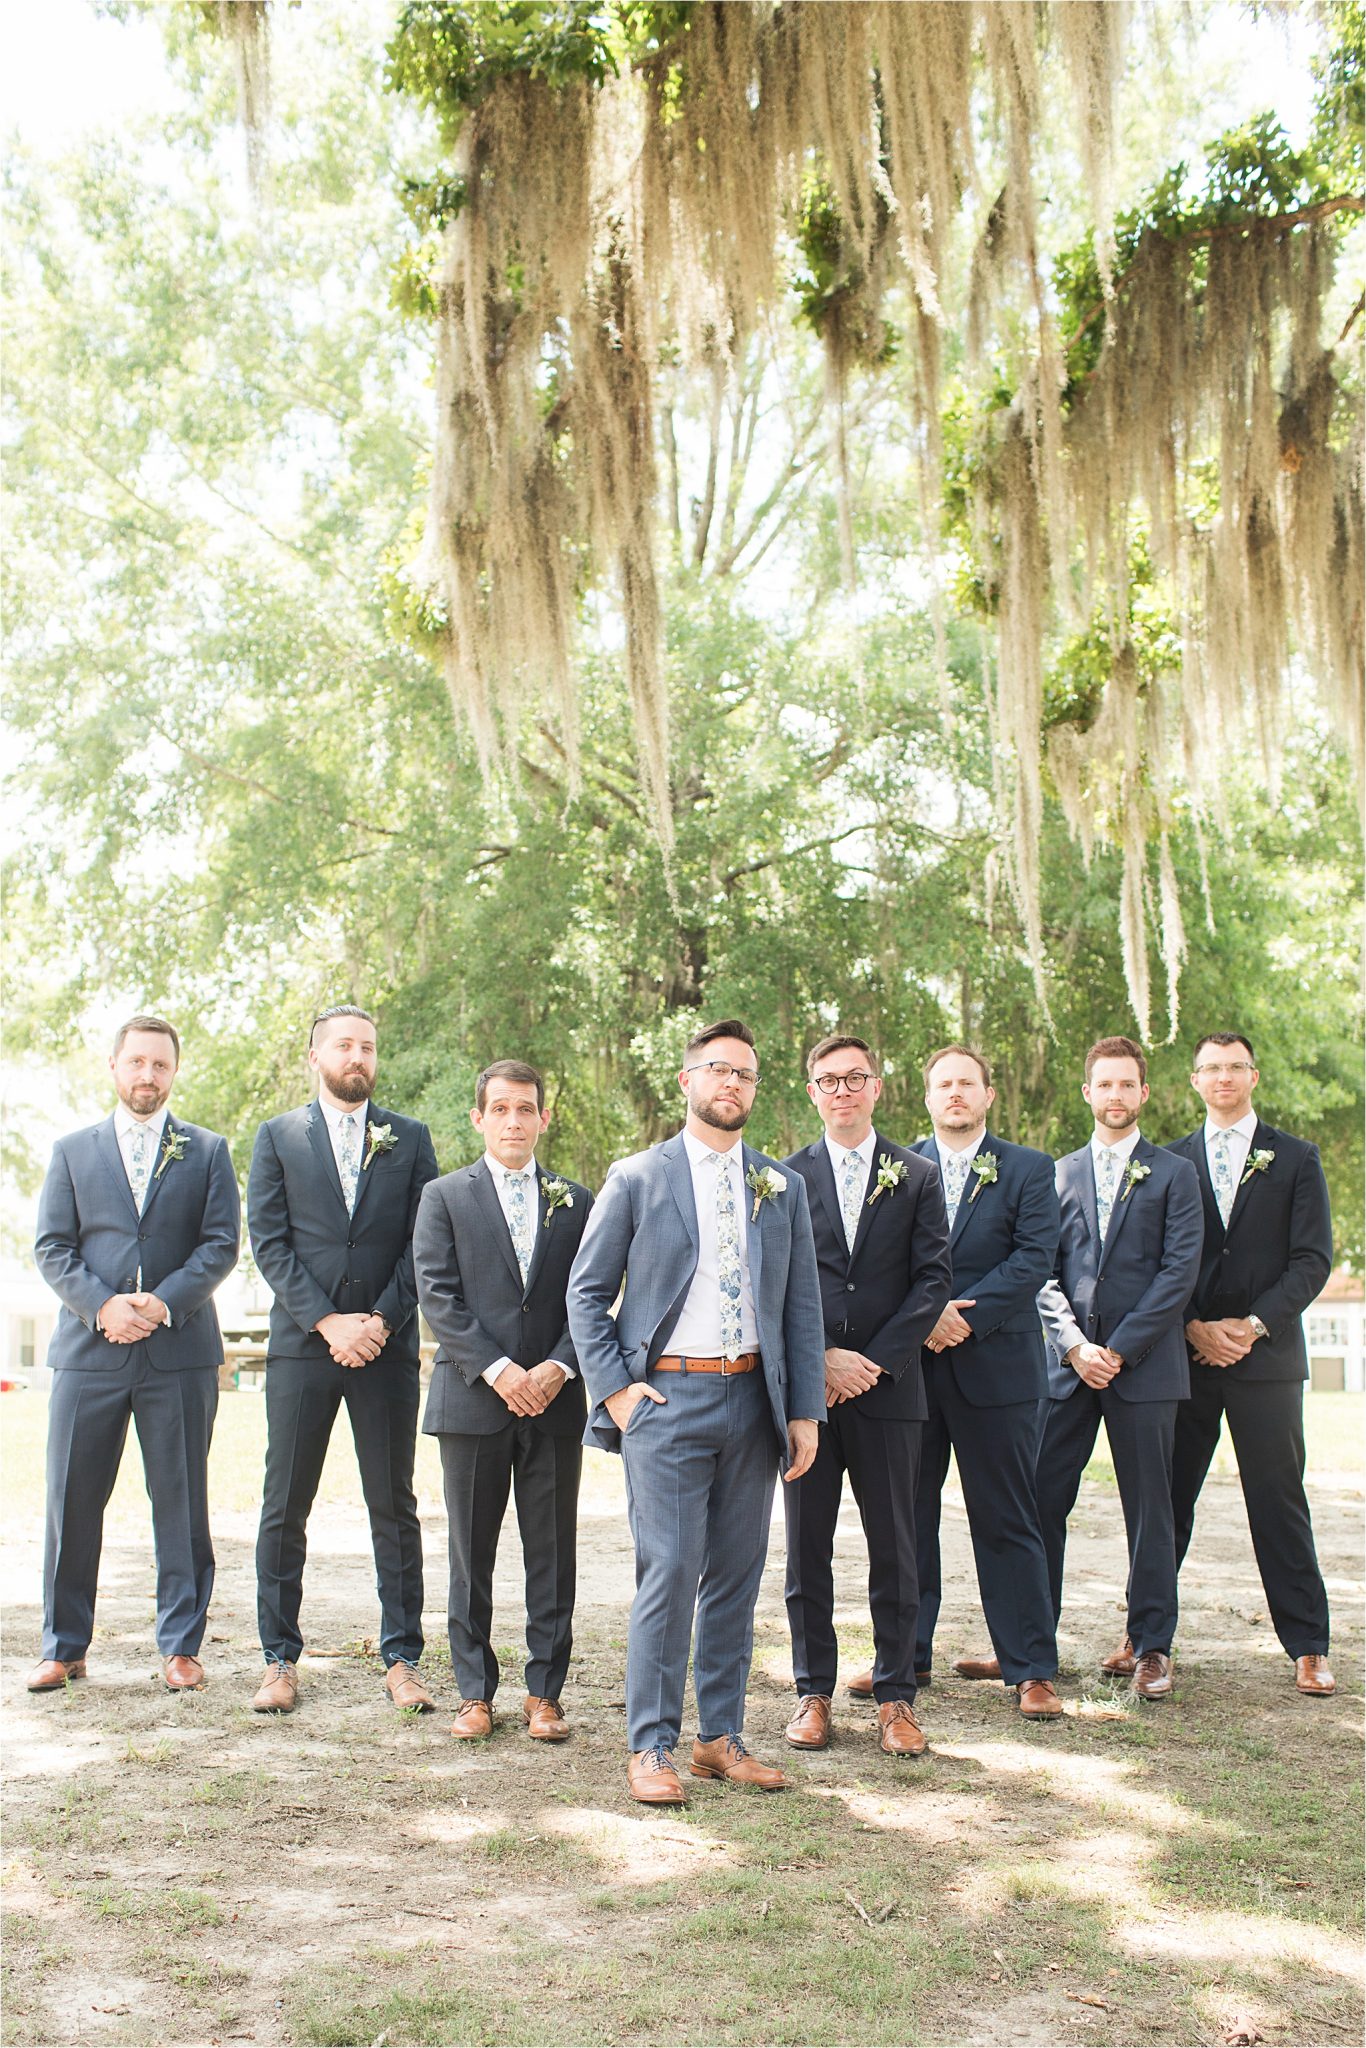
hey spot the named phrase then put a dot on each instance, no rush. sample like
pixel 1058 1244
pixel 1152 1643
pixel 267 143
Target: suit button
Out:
pixel 350 1244
pixel 1224 1254
pixel 526 1309
pixel 848 1286
pixel 142 1237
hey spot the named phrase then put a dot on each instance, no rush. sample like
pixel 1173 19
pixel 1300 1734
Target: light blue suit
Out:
pixel 700 1470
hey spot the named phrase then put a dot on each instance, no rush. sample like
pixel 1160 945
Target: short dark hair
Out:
pixel 966 1052
pixel 839 1041
pixel 1223 1038
pixel 339 1010
pixel 729 1027
pixel 508 1070
pixel 1116 1049
pixel 147 1024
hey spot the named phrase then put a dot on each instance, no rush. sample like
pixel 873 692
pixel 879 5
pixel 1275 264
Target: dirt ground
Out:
pixel 179 1870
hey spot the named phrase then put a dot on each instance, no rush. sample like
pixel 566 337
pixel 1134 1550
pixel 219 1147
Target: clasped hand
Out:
pixel 847 1375
pixel 354 1340
pixel 951 1328
pixel 1223 1342
pixel 128 1318
pixel 530 1393
pixel 1094 1364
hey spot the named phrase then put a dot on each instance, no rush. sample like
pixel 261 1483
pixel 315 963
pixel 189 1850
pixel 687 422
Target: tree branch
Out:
pixel 770 860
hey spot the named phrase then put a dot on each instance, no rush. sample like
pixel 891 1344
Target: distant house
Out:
pixel 1335 1330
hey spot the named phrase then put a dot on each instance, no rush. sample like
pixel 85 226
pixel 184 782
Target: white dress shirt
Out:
pixel 124 1126
pixel 360 1111
pixel 946 1151
pixel 697 1333
pixel 496 1171
pixel 1240 1136
pixel 839 1153
pixel 1122 1151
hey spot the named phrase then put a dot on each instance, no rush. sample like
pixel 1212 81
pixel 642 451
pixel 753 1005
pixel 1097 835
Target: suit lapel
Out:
pixel 975 1192
pixel 365 1174
pixel 159 1171
pixel 486 1194
pixel 1084 1177
pixel 543 1226
pixel 1193 1148
pixel 867 1215
pixel 1120 1207
pixel 107 1147
pixel 678 1173
pixel 1247 1181
pixel 754 1225
pixel 825 1188
pixel 321 1142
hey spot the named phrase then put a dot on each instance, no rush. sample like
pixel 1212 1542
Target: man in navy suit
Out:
pixel 707 1375
pixel 985 1375
pixel 1114 1314
pixel 1268 1252
pixel 882 1244
pixel 492 1251
pixel 138 1224
pixel 331 1202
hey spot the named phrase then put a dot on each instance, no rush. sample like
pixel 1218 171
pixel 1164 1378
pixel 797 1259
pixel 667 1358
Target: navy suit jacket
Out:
pixel 1276 1254
pixel 1003 1246
pixel 92 1243
pixel 317 1260
pixel 885 1296
pixel 1131 1293
pixel 469 1287
pixel 643 1231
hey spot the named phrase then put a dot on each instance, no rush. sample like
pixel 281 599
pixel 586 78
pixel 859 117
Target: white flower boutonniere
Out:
pixel 1134 1172
pixel 984 1166
pixel 890 1174
pixel 174 1146
pixel 378 1138
pixel 1258 1163
pixel 767 1186
pixel 558 1195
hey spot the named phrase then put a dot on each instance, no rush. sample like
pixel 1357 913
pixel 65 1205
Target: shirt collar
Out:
pixel 947 1151
pixel 1246 1127
pixel 124 1123
pixel 863 1153
pixel 1121 1150
pixel 334 1116
pixel 698 1150
pixel 496 1166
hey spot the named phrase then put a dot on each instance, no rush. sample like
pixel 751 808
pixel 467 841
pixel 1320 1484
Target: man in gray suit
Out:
pixel 492 1251
pixel 138 1224
pixel 712 1370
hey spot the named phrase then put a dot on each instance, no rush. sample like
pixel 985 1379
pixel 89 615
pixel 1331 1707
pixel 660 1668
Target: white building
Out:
pixel 1335 1330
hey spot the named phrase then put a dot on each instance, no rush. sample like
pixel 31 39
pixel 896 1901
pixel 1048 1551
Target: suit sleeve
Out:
pixel 1060 1325
pixel 1164 1301
pixel 283 1271
pixel 931 1283
pixel 1311 1251
pixel 594 1284
pixel 441 1290
pixel 562 1351
pixel 56 1247
pixel 803 1317
pixel 399 1296
pixel 220 1240
pixel 1009 1289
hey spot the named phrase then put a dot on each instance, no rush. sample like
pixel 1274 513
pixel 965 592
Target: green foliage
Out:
pixel 831 284
pixel 1339 133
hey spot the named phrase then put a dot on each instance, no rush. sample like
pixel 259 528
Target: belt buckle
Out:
pixel 727 1364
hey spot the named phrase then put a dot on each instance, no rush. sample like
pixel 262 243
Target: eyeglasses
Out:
pixel 830 1084
pixel 1234 1067
pixel 723 1070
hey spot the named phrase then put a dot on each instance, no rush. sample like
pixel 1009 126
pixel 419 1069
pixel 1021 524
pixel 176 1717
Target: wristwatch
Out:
pixel 1259 1328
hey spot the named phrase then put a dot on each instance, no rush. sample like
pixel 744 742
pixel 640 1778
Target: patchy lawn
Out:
pixel 182 1870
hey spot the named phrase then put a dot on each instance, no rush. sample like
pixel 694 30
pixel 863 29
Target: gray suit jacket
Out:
pixel 643 1231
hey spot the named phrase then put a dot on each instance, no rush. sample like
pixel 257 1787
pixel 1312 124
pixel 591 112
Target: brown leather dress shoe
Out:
pixel 728 1758
pixel 899 1733
pixel 473 1721
pixel 1120 1663
pixel 544 1719
pixel 406 1689
pixel 278 1692
pixel 1152 1679
pixel 1038 1699
pixel 652 1779
pixel 976 1667
pixel 809 1727
pixel 1313 1676
pixel 183 1674
pixel 52 1675
pixel 861 1686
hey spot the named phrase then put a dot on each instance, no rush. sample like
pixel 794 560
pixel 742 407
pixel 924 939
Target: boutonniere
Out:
pixel 378 1138
pixel 558 1195
pixel 1134 1172
pixel 984 1166
pixel 767 1185
pixel 890 1174
pixel 1258 1163
pixel 174 1146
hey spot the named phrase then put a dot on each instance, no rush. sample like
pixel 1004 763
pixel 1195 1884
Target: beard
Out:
pixel 1119 1119
pixel 144 1098
pixel 348 1084
pixel 721 1116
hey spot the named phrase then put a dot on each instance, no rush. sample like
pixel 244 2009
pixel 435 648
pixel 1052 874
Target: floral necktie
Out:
pixel 728 1259
pixel 955 1180
pixel 1106 1175
pixel 140 1164
pixel 1221 1173
pixel 519 1219
pixel 348 1159
pixel 852 1176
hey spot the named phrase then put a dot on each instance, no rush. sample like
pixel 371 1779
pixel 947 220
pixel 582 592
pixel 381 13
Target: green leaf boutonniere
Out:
pixel 984 1166
pixel 378 1138
pixel 1258 1163
pixel 767 1186
pixel 558 1195
pixel 1134 1172
pixel 890 1174
pixel 174 1146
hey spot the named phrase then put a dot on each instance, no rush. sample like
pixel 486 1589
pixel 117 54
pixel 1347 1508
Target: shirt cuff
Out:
pixel 491 1372
pixel 567 1370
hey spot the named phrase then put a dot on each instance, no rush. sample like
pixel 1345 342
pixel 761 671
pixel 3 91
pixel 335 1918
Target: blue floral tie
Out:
pixel 519 1219
pixel 348 1160
pixel 1106 1175
pixel 1221 1173
pixel 956 1166
pixel 853 1177
pixel 140 1166
pixel 728 1259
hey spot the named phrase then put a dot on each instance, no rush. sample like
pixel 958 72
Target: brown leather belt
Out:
pixel 748 1361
